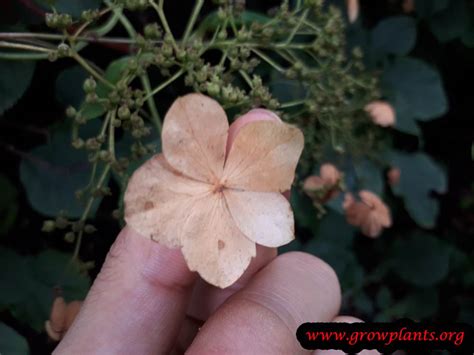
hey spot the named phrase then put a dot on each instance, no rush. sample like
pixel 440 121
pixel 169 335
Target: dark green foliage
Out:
pixel 15 79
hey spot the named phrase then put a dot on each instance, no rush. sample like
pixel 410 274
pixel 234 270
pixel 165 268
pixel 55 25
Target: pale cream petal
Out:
pixel 158 199
pixel 264 217
pixel 213 245
pixel 194 137
pixel 263 157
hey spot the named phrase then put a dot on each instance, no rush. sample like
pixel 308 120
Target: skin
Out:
pixel 146 301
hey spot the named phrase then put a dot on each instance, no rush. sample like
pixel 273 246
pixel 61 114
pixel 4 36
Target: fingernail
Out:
pixel 267 114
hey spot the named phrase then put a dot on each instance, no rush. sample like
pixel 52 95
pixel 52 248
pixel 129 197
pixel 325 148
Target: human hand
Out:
pixel 146 301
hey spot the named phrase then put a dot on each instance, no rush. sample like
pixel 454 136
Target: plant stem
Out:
pixel 292 104
pixel 297 27
pixel 23 56
pixel 16 35
pixel 267 59
pixel 161 14
pixel 165 84
pixel 87 210
pixel 112 134
pixel 91 70
pixel 151 103
pixel 5 44
pixel 246 78
pixel 192 20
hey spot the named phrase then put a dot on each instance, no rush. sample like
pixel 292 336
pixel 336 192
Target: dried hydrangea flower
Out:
pixel 352 10
pixel 393 176
pixel 216 206
pixel 323 187
pixel 370 214
pixel 61 318
pixel 56 323
pixel 382 113
pixel 408 6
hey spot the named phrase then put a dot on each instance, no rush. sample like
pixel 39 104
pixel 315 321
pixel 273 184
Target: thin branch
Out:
pixel 165 84
pixel 192 20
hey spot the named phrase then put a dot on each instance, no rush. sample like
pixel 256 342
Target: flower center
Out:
pixel 218 187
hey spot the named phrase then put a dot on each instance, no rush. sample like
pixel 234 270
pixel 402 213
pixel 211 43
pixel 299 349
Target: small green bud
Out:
pixel 133 64
pixel 53 56
pixel 51 20
pixel 89 229
pixel 91 98
pixel 92 144
pixel 116 214
pixel 78 143
pixel 123 113
pixel 221 14
pixel 152 31
pixel 69 237
pixel 77 226
pixel 71 112
pixel 80 120
pixel 222 35
pixel 89 85
pixel 167 50
pixel 213 89
pixel 104 155
pixel 63 50
pixel 61 222
pixel 48 226
pixel 65 20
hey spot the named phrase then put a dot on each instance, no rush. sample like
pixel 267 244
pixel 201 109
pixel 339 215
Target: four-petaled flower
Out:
pixel 215 205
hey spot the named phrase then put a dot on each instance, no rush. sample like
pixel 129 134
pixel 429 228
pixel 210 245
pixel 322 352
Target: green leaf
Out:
pixel 28 283
pixel 334 229
pixel 15 77
pixel 420 175
pixel 69 91
pixel 294 245
pixel 427 8
pixel 421 259
pixel 123 149
pixel 47 165
pixel 303 209
pixel 12 343
pixel 415 90
pixel 369 176
pixel 421 304
pixel 8 204
pixel 69 86
pixel 113 74
pixel 394 35
pixel 332 242
pixel 451 22
pixel 285 90
pixel 363 303
pixel 383 298
pixel 72 7
pixel 468 36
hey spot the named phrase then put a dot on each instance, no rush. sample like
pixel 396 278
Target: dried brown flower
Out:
pixel 352 10
pixel 323 187
pixel 61 318
pixel 213 205
pixel 381 112
pixel 393 176
pixel 370 214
